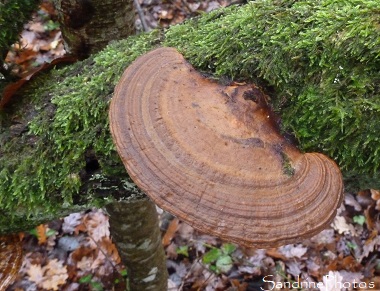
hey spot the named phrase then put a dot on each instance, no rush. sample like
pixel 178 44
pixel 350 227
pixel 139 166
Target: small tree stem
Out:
pixel 134 227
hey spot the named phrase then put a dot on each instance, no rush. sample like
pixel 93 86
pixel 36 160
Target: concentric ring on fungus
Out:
pixel 212 155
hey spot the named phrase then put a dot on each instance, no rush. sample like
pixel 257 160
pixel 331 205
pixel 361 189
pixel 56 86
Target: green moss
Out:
pixel 320 58
pixel 287 167
pixel 65 113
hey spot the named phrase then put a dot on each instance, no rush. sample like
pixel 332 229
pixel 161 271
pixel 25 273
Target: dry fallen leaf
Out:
pixel 56 274
pixel 349 199
pixel 50 276
pixel 350 263
pixel 370 214
pixel 97 225
pixel 170 233
pixel 295 267
pixel 106 256
pixel 340 224
pixel 293 251
pixel 239 286
pixel 351 277
pixel 11 90
pixel 324 237
pixel 85 263
pixel 375 195
pixel 185 231
pixel 275 253
pixel 313 267
pixel 36 274
pixel 369 247
pixel 41 234
pixel 71 222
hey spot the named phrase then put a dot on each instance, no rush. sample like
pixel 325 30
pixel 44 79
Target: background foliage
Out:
pixel 13 15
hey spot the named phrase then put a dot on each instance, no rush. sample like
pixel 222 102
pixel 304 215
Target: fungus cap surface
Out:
pixel 212 155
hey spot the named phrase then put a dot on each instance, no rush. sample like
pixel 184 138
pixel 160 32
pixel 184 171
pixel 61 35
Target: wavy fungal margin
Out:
pixel 212 155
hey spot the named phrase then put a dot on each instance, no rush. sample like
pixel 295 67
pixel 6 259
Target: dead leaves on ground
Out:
pixel 58 258
pixel 40 41
pixel 60 255
pixel 50 276
pixel 345 254
pixel 166 13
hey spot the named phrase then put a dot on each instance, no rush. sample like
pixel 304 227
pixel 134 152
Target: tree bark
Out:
pixel 89 25
pixel 134 227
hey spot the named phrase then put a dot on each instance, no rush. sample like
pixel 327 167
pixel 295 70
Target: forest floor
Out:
pixel 77 253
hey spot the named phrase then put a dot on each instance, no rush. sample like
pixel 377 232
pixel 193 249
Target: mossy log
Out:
pixel 319 61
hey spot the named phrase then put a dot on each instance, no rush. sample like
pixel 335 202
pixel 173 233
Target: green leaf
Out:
pixel 85 279
pixel 183 250
pixel 124 272
pixel 96 286
pixel 224 263
pixel 351 245
pixel 50 232
pixel 359 219
pixel 34 232
pixel 228 248
pixel 213 269
pixel 212 255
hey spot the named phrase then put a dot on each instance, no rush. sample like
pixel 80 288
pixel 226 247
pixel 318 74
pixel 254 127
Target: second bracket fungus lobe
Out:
pixel 210 154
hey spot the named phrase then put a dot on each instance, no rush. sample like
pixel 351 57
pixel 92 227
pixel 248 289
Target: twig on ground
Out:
pixel 141 15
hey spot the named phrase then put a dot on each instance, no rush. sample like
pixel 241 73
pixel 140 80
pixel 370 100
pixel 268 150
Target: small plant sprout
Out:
pixel 219 259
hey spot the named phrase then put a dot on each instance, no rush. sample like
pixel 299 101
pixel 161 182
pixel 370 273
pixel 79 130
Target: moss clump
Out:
pixel 320 57
pixel 63 159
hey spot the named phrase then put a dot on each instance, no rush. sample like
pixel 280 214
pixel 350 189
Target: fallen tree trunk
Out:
pixel 318 60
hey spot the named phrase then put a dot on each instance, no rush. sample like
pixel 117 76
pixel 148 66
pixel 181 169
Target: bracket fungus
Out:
pixel 212 155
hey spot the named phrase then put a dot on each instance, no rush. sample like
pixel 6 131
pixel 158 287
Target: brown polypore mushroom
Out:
pixel 213 156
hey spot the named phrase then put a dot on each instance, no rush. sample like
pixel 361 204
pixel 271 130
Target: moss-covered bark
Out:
pixel 319 60
pixel 56 153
